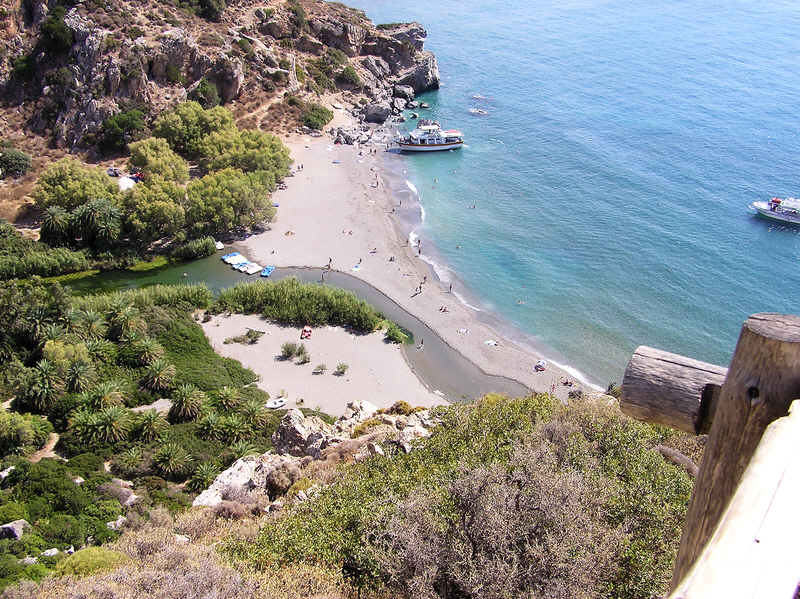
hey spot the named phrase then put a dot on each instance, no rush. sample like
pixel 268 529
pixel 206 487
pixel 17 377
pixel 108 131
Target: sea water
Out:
pixel 611 175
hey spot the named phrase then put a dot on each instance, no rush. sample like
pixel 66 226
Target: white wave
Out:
pixel 577 374
pixel 422 213
pixel 412 187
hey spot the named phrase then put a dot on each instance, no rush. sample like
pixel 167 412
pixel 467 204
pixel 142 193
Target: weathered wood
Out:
pixel 664 388
pixel 753 551
pixel 762 381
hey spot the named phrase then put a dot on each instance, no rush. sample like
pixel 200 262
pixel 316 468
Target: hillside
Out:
pixel 67 67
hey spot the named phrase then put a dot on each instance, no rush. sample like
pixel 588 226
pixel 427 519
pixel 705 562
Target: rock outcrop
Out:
pixel 302 440
pixel 14 530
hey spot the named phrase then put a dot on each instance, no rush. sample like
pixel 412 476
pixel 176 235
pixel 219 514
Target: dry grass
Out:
pixel 163 567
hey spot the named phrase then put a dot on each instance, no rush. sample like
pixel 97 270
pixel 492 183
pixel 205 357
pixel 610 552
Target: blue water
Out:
pixel 612 174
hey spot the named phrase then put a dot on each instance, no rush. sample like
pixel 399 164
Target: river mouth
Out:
pixel 440 367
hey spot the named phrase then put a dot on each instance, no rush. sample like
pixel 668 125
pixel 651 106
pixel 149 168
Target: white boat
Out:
pixel 218 245
pixel 429 137
pixel 234 259
pixel 252 268
pixel 274 404
pixel 785 210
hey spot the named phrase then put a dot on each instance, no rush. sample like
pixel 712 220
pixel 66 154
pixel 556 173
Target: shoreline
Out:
pixel 341 210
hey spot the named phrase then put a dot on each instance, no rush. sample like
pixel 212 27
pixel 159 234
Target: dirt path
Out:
pixel 47 450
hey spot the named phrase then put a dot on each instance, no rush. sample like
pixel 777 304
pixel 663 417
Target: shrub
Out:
pixel 348 76
pixel 394 334
pixel 197 248
pixel 289 350
pixel 281 479
pixel 212 9
pixel 401 408
pixel 205 94
pixel 341 368
pixel 56 36
pixel 13 511
pixel 302 354
pixel 85 464
pixel 13 163
pixel 364 427
pixel 291 302
pixel 121 129
pixel 90 560
pixel 316 116
pixel 320 369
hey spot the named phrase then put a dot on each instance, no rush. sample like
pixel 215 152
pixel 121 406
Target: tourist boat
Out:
pixel 785 210
pixel 429 137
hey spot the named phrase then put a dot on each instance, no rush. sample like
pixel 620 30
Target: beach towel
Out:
pixel 357 267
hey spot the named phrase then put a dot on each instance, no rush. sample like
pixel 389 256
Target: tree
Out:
pixel 226 199
pixel 56 37
pixel 14 163
pixel 205 94
pixel 97 223
pixel 112 424
pixel 79 376
pixel 148 350
pixel 187 401
pixel 228 399
pixel 107 394
pixel 254 412
pixel 154 209
pixel 56 225
pixel 125 320
pixel 154 157
pixel 171 459
pixel 69 184
pixel 92 325
pixel 159 376
pixel 185 126
pixel 248 151
pixel 121 129
pixel 234 428
pixel 149 426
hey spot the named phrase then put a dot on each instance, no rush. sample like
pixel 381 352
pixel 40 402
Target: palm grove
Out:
pixel 91 221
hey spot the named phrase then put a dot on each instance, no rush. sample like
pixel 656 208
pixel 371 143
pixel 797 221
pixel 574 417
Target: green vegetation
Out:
pixel 395 334
pixel 348 76
pixel 247 151
pixel 186 126
pixel 68 184
pixel 13 162
pixel 90 560
pixel 341 369
pixel 153 157
pixel 20 257
pixel 205 94
pixel 56 36
pixel 290 302
pixel 573 499
pixel 121 129
pixel 316 116
pixel 197 248
pixel 251 337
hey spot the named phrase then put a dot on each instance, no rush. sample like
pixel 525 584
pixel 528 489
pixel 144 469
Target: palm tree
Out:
pixel 97 222
pixel 254 412
pixel 93 325
pixel 187 401
pixel 71 319
pixel 203 477
pixel 148 350
pixel 102 349
pixel 244 448
pixel 37 318
pixel 228 399
pixel 56 225
pixel 53 332
pixel 171 459
pixel 83 424
pixel 126 321
pixel 234 428
pixel 150 425
pixel 113 424
pixel 129 460
pixel 79 376
pixel 42 386
pixel 107 394
pixel 210 425
pixel 159 375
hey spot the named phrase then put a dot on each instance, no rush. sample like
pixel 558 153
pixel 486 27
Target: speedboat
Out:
pixel 429 137
pixel 785 210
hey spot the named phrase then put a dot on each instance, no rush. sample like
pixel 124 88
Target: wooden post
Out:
pixel 762 381
pixel 753 551
pixel 664 388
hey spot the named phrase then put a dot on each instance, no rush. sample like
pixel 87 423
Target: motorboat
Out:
pixel 429 137
pixel 785 210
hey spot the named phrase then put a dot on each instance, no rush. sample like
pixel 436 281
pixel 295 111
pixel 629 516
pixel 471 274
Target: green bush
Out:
pixel 185 126
pixel 205 94
pixel 341 369
pixel 56 36
pixel 90 560
pixel 316 116
pixel 69 184
pixel 22 433
pixel 13 511
pixel 289 301
pixel 121 129
pixel 289 350
pixel 197 248
pixel 394 334
pixel 349 76
pixel 13 163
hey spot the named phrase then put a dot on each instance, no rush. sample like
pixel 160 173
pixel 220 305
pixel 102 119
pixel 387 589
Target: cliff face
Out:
pixel 67 65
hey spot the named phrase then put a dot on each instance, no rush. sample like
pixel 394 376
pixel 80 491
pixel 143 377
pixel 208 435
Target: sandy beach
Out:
pixel 377 370
pixel 336 208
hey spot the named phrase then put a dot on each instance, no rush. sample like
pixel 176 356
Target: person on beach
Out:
pixel 359 260
pixel 451 288
pixel 425 279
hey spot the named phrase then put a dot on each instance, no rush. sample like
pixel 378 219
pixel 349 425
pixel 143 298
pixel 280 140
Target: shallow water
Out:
pixel 612 173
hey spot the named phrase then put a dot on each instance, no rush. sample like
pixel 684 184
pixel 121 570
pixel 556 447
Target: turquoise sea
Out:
pixel 612 173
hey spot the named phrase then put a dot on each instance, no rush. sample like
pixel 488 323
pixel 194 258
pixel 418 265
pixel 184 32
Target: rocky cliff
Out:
pixel 67 65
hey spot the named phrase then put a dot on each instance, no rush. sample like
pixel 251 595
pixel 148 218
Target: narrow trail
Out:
pixel 47 450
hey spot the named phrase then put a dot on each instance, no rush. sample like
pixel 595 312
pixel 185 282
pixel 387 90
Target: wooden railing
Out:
pixel 742 527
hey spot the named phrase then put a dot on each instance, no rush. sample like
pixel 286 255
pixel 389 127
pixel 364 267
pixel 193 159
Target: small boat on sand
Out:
pixel 429 137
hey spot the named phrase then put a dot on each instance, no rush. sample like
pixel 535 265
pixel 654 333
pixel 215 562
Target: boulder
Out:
pixel 28 561
pixel 14 530
pixel 355 413
pixel 50 552
pixel 6 472
pixel 295 432
pixel 345 36
pixel 424 75
pixel 403 91
pixel 398 105
pixel 377 66
pixel 182 539
pixel 377 113
pixel 238 475
pixel 117 524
